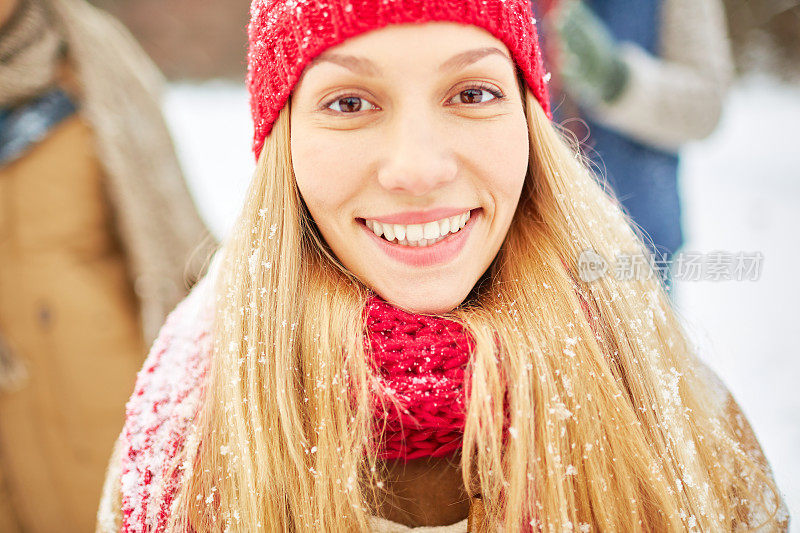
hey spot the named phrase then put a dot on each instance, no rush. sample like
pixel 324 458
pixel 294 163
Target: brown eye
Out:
pixel 349 104
pixel 477 95
pixel 471 96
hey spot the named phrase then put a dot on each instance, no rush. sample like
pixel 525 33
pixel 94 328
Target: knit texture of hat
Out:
pixel 285 35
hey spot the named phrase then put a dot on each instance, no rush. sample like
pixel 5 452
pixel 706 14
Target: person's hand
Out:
pixel 590 64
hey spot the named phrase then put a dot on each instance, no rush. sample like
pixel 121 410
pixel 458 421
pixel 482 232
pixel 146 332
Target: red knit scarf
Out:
pixel 419 362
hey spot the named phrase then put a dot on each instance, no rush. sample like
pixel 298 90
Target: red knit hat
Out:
pixel 285 35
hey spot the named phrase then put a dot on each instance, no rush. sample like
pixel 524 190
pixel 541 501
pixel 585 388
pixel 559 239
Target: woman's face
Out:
pixel 410 148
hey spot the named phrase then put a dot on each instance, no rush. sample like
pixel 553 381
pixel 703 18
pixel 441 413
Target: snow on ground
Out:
pixel 741 191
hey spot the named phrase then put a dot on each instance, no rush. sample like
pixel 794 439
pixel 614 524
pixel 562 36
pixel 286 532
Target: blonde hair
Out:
pixel 586 409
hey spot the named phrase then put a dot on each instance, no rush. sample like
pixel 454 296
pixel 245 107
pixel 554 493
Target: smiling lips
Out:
pixel 423 245
pixel 419 235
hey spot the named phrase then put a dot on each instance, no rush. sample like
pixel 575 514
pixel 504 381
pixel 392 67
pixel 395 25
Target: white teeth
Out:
pixel 430 230
pixel 388 232
pixel 419 234
pixel 414 232
pixel 455 223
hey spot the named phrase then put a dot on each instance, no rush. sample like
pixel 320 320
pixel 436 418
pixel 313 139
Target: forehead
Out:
pixel 446 45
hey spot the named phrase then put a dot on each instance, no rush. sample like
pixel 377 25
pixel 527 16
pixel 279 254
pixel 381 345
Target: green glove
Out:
pixel 591 66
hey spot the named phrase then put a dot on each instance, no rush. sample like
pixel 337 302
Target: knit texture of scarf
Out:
pixel 30 48
pixel 419 362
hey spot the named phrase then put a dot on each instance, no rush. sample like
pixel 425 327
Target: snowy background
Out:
pixel 741 191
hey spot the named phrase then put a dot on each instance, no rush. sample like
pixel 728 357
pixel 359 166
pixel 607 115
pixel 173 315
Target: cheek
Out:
pixel 326 176
pixel 515 159
pixel 503 160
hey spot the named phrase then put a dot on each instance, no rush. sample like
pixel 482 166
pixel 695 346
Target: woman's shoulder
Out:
pixel 178 358
pixel 728 410
pixel 165 401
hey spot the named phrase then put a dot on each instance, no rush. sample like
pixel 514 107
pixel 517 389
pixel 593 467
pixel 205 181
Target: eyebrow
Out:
pixel 365 67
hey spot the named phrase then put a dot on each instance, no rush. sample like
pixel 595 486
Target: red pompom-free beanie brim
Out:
pixel 285 35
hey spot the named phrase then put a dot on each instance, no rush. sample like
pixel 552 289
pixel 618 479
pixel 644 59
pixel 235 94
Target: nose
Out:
pixel 418 158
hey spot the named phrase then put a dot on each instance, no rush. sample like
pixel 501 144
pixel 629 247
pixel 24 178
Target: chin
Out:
pixel 420 301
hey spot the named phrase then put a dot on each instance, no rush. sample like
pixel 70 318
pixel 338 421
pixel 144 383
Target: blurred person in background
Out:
pixel 97 231
pixel 646 76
